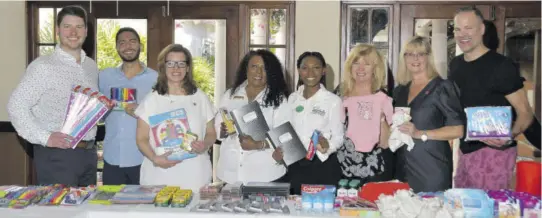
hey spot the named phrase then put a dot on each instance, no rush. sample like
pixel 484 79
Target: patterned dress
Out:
pixel 359 165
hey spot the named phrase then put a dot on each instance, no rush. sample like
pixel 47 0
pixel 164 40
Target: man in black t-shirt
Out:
pixel 486 78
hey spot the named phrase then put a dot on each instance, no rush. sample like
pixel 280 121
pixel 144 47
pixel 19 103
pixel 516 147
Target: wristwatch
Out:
pixel 424 136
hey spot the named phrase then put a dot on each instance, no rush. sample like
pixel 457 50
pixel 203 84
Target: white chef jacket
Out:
pixel 323 112
pixel 238 165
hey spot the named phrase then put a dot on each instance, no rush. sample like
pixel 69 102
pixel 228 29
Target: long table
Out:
pixel 136 211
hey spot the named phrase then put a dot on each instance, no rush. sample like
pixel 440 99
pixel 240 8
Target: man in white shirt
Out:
pixel 37 106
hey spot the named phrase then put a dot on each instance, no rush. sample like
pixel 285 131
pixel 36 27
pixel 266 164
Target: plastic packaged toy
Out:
pixel 473 203
pixel 181 198
pixel 173 196
pixel 488 123
pixel 163 198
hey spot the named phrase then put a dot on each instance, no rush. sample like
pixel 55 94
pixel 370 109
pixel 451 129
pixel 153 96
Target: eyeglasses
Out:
pixel 415 55
pixel 179 64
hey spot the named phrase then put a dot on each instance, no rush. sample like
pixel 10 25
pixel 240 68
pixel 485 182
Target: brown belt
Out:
pixel 85 144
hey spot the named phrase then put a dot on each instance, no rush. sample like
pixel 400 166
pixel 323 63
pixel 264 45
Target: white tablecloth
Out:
pixel 134 211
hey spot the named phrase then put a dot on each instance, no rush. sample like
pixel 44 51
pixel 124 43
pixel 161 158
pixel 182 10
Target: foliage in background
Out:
pixel 106 50
pixel 204 75
pixel 107 56
pixel 278 18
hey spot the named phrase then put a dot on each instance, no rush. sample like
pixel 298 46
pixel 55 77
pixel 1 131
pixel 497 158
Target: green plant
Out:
pixel 204 75
pixel 106 52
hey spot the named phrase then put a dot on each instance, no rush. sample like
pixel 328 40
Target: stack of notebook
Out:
pixel 266 188
pixel 137 194
pixel 249 120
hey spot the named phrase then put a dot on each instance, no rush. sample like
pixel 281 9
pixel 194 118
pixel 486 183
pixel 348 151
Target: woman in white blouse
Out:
pixel 313 108
pixel 260 78
pixel 175 94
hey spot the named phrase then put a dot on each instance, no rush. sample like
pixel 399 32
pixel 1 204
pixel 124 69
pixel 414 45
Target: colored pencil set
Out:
pixel 122 97
pixel 85 108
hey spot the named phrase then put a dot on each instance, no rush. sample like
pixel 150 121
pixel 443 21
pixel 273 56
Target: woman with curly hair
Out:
pixel 260 77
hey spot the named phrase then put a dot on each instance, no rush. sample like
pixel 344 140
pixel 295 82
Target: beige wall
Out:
pixel 13 46
pixel 311 31
pixel 317 28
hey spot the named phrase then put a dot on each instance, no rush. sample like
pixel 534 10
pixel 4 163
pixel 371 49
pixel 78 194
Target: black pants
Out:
pixel 71 167
pixel 115 175
pixel 313 172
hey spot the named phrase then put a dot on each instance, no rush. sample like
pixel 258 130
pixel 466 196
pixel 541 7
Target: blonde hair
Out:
pixel 416 44
pixel 370 54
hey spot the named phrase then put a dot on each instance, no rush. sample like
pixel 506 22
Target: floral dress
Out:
pixel 359 165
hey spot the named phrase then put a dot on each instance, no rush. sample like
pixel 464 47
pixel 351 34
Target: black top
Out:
pixel 428 166
pixel 484 82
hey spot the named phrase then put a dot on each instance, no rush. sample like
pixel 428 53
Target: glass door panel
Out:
pixel 206 40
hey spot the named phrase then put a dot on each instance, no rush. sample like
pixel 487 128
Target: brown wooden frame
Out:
pixel 154 11
pixel 290 33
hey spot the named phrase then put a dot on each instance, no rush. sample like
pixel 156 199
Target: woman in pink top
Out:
pixel 368 113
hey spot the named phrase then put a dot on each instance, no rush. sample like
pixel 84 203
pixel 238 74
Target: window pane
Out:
pixel 256 48
pixel 277 27
pixel 379 25
pixel 46 25
pixel 358 26
pixel 106 46
pixel 281 55
pixel 45 50
pixel 258 26
pixel 54 22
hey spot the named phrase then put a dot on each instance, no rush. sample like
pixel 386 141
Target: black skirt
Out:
pixel 313 172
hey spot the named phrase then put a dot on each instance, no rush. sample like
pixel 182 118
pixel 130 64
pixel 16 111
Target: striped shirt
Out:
pixel 37 106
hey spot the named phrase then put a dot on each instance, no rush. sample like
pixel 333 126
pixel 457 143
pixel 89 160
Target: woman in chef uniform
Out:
pixel 313 108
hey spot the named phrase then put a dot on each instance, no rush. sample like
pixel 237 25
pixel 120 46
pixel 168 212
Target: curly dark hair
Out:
pixel 277 90
pixel 189 85
pixel 318 56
